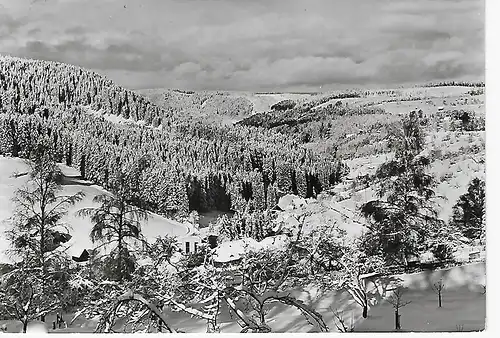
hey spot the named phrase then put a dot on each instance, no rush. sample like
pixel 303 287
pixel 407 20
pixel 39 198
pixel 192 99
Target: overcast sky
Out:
pixel 253 44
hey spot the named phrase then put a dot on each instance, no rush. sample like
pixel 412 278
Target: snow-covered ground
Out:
pixel 462 158
pixel 155 226
pixel 463 303
pixel 464 306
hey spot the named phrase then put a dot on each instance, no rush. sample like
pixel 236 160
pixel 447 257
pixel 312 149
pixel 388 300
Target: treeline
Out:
pixel 193 104
pixel 350 94
pixel 303 115
pixel 455 83
pixel 332 123
pixel 197 167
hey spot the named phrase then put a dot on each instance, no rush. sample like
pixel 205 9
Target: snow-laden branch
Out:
pixel 128 297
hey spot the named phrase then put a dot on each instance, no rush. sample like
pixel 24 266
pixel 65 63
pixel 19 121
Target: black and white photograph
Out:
pixel 243 166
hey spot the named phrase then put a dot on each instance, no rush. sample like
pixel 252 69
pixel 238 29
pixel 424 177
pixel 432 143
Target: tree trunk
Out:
pixel 42 253
pixel 120 241
pixel 397 319
pixel 439 298
pixel 306 310
pixel 119 262
pixel 137 297
pixel 25 326
pixel 365 303
pixel 120 253
pixel 262 315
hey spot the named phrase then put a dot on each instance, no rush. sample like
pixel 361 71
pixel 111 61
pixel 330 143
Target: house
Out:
pixel 190 243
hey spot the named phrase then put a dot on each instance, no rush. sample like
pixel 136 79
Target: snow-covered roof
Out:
pixel 189 237
pixel 368 275
pixel 290 202
pixel 234 250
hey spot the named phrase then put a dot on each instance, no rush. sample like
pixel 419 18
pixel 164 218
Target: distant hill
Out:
pixel 300 143
pixel 187 163
pixel 28 84
pixel 203 104
pixel 222 106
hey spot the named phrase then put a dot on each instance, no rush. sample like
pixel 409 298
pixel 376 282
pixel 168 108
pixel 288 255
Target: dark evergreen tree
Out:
pixel 116 223
pixel 404 215
pixel 469 211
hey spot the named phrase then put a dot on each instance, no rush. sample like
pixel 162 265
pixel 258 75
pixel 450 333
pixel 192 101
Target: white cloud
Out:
pixel 253 44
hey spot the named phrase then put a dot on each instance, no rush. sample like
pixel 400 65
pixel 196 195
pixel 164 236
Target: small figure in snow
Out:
pixel 60 321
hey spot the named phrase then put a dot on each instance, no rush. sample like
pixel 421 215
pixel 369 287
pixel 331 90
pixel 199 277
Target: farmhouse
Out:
pixel 190 243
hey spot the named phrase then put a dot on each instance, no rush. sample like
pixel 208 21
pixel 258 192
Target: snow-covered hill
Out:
pixel 155 226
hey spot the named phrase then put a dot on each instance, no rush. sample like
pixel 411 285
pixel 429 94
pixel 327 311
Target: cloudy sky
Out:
pixel 252 44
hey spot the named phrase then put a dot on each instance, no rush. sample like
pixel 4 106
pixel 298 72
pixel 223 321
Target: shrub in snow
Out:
pixel 427 257
pixel 442 252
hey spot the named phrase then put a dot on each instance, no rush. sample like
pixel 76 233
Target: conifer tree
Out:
pixel 404 214
pixel 469 211
pixel 117 223
pixel 37 236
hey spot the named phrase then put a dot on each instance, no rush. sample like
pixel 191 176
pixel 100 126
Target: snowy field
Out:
pixel 463 302
pixel 155 226
pixel 464 307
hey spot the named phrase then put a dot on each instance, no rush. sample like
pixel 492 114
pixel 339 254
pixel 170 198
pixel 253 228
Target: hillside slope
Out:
pixel 28 85
pixel 222 107
pixel 457 156
pixel 155 226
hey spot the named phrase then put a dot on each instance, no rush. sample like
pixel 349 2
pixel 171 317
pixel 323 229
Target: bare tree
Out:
pixel 397 302
pixel 339 321
pixel 22 297
pixel 356 270
pixel 162 321
pixel 265 276
pixel 438 288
